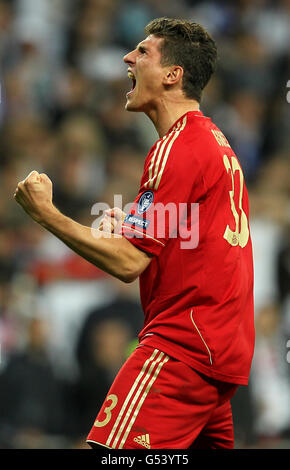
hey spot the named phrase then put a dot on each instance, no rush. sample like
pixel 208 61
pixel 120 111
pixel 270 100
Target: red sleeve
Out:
pixel 164 195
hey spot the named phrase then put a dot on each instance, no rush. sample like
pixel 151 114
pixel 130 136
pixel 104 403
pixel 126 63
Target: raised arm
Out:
pixel 114 255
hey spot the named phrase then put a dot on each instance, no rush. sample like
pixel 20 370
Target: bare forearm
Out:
pixel 114 255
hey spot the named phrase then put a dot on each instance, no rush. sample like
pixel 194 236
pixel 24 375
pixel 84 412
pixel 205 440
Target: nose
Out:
pixel 129 58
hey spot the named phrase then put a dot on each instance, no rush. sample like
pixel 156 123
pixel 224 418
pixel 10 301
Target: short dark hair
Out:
pixel 190 46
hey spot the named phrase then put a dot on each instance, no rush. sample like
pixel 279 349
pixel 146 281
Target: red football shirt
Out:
pixel 191 215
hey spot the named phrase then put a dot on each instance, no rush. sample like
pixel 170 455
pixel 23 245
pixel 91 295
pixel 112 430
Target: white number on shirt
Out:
pixel 240 235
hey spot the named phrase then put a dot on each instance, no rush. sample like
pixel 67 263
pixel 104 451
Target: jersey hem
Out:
pixel 125 227
pixel 154 249
pixel 98 443
pixel 209 371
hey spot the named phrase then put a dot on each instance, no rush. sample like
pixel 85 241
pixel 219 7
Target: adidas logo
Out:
pixel 143 440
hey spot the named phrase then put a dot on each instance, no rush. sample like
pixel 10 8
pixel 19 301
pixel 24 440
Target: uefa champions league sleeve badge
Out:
pixel 145 201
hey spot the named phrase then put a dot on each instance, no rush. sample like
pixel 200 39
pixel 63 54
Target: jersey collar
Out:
pixel 189 113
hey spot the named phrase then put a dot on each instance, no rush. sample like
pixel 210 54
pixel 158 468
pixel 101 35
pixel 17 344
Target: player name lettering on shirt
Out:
pixel 221 139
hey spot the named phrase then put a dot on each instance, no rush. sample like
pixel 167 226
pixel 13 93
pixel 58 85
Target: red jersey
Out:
pixel 191 215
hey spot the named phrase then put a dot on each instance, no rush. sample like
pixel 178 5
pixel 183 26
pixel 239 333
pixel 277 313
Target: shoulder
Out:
pixel 194 138
pixel 171 155
pixel 185 150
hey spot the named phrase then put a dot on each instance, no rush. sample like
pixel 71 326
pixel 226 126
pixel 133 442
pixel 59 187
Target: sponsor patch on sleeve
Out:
pixel 136 221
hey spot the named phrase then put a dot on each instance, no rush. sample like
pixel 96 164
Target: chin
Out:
pixel 131 107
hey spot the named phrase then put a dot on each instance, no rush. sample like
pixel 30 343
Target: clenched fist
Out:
pixel 112 221
pixel 34 194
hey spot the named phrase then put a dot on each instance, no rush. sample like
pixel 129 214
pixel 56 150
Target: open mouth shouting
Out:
pixel 133 78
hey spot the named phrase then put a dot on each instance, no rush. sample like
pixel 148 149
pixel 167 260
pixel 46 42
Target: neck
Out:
pixel 166 114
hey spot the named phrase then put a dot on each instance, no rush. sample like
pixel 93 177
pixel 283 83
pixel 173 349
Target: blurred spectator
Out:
pixel 11 328
pixel 94 50
pixel 131 20
pixel 6 18
pixel 79 176
pixel 283 269
pixel 269 222
pixel 270 378
pixel 240 120
pixel 104 343
pixel 108 342
pixel 31 406
pixel 42 24
pixel 73 94
pixel 125 305
pixel 69 287
pixel 120 130
pixel 244 417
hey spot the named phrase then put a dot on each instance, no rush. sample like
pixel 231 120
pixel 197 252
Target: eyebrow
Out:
pixel 141 47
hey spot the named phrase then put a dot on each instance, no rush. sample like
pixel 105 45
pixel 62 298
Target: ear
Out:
pixel 173 75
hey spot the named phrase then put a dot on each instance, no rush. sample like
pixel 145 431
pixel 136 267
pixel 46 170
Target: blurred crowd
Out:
pixel 66 327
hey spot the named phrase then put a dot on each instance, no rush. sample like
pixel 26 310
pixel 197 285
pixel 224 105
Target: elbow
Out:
pixel 131 264
pixel 128 277
pixel 129 273
pixel 128 280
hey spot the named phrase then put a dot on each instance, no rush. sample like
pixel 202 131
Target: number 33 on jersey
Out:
pixel 240 235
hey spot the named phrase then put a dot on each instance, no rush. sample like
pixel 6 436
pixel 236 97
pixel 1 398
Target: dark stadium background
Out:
pixel 65 327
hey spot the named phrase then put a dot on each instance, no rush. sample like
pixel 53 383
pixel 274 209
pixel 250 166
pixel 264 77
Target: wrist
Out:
pixel 48 217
